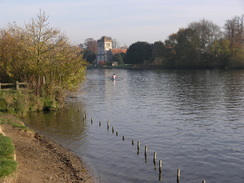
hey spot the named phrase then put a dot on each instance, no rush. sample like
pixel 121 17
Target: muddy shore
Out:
pixel 41 160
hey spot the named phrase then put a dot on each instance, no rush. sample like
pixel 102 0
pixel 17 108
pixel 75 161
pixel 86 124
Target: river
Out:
pixel 193 120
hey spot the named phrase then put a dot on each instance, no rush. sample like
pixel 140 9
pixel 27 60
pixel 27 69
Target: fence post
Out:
pixel 178 175
pixel 17 85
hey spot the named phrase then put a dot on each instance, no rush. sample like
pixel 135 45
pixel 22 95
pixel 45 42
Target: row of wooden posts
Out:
pixel 160 166
pixel 9 86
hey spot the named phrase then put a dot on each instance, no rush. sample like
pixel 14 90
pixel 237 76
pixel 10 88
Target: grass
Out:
pixel 7 163
pixel 13 123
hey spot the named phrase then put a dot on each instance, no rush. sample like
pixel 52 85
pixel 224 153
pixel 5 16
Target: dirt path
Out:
pixel 40 160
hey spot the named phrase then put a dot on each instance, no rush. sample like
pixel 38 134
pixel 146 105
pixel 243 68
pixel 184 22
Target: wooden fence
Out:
pixel 13 86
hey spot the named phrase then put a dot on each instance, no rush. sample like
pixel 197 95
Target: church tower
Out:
pixel 103 46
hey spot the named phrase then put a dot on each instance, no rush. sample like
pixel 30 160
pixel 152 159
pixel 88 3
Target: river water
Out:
pixel 194 120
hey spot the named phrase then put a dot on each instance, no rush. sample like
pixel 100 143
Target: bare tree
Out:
pixel 234 31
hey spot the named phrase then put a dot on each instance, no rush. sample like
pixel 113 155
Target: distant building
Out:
pixel 105 52
pixel 103 46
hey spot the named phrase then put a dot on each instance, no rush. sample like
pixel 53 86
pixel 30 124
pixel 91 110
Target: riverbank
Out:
pixel 40 159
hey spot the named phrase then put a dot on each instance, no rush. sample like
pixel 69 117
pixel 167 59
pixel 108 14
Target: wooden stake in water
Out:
pixel 132 142
pixel 112 129
pixel 154 156
pixel 108 123
pixel 178 175
pixel 160 165
pixel 145 153
pixel 117 133
pixel 138 145
pixel 91 120
pixel 146 149
pixel 100 123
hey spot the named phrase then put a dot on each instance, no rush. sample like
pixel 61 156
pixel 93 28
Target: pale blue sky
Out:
pixel 127 21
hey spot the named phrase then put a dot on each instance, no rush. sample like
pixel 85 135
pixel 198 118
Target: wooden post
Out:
pixel 100 123
pixel 17 85
pixel 117 133
pixel 138 145
pixel 178 175
pixel 108 123
pixel 132 142
pixel 91 120
pixel 112 129
pixel 160 176
pixel 145 152
pixel 154 156
pixel 160 166
pixel 123 138
pixel 203 181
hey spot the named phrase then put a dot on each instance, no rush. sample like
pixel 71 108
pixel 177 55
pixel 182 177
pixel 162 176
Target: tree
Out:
pixel 90 50
pixel 138 53
pixel 41 56
pixel 119 57
pixel 115 43
pixel 234 31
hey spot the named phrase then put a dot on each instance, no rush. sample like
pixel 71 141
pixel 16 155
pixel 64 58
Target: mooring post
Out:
pixel 132 142
pixel 145 152
pixel 154 156
pixel 108 123
pixel 100 123
pixel 178 175
pixel 160 166
pixel 138 145
pixel 160 176
pixel 91 120
pixel 123 138
pixel 112 129
pixel 117 133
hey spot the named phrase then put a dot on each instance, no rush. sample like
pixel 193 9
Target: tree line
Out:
pixel 202 44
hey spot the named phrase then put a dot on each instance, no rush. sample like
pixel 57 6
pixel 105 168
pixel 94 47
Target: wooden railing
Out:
pixel 13 86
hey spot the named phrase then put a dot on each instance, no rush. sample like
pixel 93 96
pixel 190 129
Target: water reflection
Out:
pixel 67 125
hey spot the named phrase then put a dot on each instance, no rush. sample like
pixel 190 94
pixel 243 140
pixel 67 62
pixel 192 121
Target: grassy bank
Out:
pixel 21 102
pixel 8 164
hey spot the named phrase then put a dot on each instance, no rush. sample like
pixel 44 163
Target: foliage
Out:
pixel 7 163
pixel 42 57
pixel 90 49
pixel 19 102
pixel 138 53
pixel 119 57
pixel 201 45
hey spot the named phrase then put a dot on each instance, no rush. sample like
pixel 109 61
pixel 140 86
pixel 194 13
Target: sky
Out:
pixel 127 21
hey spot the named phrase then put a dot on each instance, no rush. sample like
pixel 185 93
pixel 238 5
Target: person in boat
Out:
pixel 114 76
